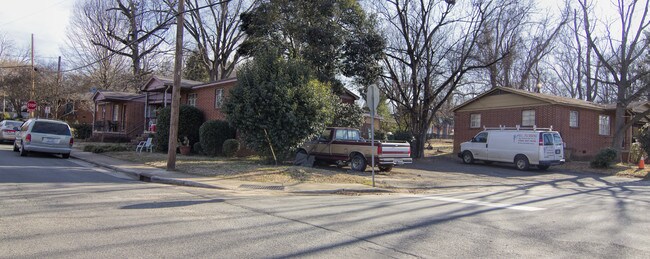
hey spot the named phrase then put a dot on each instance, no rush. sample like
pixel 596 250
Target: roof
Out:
pixel 114 96
pixel 551 99
pixel 159 83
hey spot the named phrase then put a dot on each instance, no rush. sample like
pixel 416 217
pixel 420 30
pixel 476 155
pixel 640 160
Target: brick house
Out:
pixel 155 94
pixel 117 116
pixel 586 127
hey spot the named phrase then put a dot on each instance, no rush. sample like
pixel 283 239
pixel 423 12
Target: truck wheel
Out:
pixel 301 156
pixel 468 158
pixel 385 168
pixel 522 162
pixel 358 163
pixel 543 167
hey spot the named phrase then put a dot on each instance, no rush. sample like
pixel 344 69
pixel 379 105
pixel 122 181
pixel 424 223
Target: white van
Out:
pixel 541 147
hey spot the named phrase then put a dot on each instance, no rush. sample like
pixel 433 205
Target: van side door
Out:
pixel 479 146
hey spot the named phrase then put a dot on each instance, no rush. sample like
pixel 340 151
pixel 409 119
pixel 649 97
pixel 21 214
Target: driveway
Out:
pixel 447 174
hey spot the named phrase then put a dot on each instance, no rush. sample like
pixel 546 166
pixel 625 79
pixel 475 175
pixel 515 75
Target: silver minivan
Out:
pixel 46 136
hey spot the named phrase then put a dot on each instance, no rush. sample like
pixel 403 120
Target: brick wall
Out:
pixel 582 142
pixel 206 97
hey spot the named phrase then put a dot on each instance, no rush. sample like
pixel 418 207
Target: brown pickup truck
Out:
pixel 344 146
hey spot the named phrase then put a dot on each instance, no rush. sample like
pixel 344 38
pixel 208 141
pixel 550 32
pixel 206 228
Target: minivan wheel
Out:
pixel 522 162
pixel 468 158
pixel 358 163
pixel 543 167
pixel 23 152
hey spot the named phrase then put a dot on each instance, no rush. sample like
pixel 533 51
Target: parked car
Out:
pixel 45 136
pixel 344 146
pixel 522 146
pixel 8 129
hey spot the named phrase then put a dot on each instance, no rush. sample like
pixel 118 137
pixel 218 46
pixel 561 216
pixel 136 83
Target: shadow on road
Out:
pixel 168 204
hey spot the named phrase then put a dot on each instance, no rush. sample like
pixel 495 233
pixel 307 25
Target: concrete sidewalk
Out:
pixel 151 174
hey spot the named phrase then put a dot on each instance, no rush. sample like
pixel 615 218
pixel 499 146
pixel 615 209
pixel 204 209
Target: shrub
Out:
pixel 82 130
pixel 213 134
pixel 403 135
pixel 380 135
pixel 230 147
pixel 197 148
pixel 189 120
pixel 347 115
pixel 105 148
pixel 604 158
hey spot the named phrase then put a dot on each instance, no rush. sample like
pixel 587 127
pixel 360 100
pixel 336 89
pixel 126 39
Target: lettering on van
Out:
pixel 525 138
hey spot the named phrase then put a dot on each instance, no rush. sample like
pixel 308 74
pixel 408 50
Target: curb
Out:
pixel 146 177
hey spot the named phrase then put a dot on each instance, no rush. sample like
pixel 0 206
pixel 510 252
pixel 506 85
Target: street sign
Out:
pixel 372 98
pixel 47 109
pixel 31 105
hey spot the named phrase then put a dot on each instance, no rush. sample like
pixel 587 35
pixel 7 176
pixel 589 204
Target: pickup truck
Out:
pixel 344 146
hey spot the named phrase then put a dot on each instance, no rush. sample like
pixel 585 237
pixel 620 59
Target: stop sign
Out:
pixel 31 105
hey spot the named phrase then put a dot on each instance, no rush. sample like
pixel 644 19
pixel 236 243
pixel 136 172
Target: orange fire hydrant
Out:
pixel 642 163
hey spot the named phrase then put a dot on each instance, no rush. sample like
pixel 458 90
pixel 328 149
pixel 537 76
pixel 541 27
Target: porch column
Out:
pixel 146 109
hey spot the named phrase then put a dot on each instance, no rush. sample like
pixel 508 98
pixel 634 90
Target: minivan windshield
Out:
pixel 51 128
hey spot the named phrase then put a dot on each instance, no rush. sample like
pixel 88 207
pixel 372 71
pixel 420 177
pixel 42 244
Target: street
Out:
pixel 53 207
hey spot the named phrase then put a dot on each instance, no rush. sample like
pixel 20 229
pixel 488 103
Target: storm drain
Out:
pixel 262 187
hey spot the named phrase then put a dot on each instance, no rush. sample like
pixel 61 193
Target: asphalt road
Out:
pixel 56 208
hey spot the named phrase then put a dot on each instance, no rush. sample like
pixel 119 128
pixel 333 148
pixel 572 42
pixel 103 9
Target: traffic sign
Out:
pixel 372 98
pixel 31 105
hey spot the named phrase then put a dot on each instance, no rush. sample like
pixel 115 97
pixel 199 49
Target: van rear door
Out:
pixel 552 148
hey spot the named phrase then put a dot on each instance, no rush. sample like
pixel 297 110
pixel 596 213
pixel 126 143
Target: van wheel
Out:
pixel 543 167
pixel 468 158
pixel 358 163
pixel 522 162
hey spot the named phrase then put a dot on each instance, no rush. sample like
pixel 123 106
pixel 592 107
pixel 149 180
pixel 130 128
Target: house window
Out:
pixel 603 125
pixel 528 118
pixel 191 100
pixel 573 119
pixel 475 121
pixel 116 112
pixel 218 98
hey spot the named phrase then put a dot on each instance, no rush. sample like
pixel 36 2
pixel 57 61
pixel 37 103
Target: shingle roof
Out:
pixel 552 99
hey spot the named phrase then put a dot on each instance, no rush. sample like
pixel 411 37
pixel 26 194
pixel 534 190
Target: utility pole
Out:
pixel 56 95
pixel 31 94
pixel 176 90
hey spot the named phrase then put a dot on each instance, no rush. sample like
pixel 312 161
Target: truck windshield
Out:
pixel 347 135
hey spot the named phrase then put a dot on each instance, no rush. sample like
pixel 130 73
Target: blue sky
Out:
pixel 46 19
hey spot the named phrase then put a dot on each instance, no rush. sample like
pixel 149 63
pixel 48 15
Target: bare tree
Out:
pixel 620 51
pixel 429 50
pixel 97 66
pixel 216 32
pixel 511 31
pixel 134 29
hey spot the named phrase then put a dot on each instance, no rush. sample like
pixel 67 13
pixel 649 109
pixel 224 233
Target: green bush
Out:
pixel 189 120
pixel 106 148
pixel 604 158
pixel 230 147
pixel 197 148
pixel 403 135
pixel 213 134
pixel 82 130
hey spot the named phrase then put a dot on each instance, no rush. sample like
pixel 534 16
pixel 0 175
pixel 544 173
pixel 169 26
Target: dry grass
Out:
pixel 255 169
pixel 245 169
